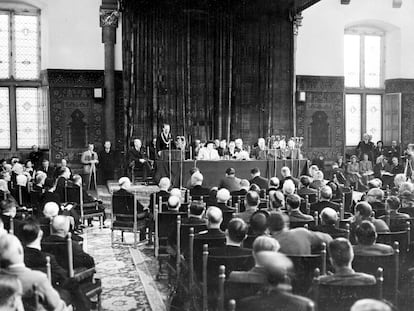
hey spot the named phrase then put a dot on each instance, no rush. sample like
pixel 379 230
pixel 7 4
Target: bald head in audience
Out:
pixel 274 182
pixel 329 216
pixel 164 184
pixel 370 305
pixel 60 226
pixel 214 217
pixel 124 183
pixel 174 203
pixel 175 192
pixel 288 187
pixel 244 184
pixel 326 193
pixel 50 210
pixel 223 195
pixel 11 251
pixel 264 243
pixel 197 179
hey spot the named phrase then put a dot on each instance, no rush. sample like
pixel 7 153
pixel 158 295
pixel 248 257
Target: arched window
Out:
pixel 23 111
pixel 364 82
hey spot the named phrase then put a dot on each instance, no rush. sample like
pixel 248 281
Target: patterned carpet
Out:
pixel 127 274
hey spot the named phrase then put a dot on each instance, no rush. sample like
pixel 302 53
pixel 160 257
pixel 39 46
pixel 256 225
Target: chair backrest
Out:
pixel 402 237
pixel 304 270
pixel 34 200
pixel 123 205
pixel 340 298
pixel 167 221
pixel 73 194
pixel 185 234
pixel 391 266
pixel 63 252
pixel 227 216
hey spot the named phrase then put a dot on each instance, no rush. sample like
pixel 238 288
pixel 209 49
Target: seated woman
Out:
pixel 365 169
pixel 354 177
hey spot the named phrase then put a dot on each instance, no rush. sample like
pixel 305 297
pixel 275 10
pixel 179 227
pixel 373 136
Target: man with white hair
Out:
pixel 197 189
pixel 174 204
pixel 288 187
pixel 222 197
pixel 12 262
pixel 164 185
pixel 56 244
pixel 138 159
pixel 286 175
pixel 240 153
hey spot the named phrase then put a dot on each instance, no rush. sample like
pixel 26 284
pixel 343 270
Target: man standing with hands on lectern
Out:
pixel 90 160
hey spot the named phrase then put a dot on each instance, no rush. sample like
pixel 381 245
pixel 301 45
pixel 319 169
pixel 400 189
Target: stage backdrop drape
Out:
pixel 212 69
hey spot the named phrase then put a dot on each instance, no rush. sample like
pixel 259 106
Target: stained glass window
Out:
pixel 27 112
pixel 374 114
pixel 352 60
pixel 4 46
pixel 4 118
pixel 353 119
pixel 26 45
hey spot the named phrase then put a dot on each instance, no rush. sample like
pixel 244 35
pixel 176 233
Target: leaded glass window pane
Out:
pixel 372 61
pixel 4 118
pixel 352 119
pixel 352 60
pixel 374 114
pixel 26 36
pixel 4 45
pixel 27 114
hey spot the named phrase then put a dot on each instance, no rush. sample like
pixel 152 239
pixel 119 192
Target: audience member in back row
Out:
pixel 341 256
pixel 222 197
pixel 374 197
pixel 366 237
pixel 164 185
pixel 324 201
pixel 304 190
pixel 251 204
pixel 275 292
pixel 262 182
pixel 397 220
pixel 329 219
pixel 197 189
pixel 12 263
pixel 297 241
pixel 286 175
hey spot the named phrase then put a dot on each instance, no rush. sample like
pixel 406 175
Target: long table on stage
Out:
pixel 214 171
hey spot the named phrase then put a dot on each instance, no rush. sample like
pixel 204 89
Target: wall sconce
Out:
pixel 98 93
pixel 396 4
pixel 301 96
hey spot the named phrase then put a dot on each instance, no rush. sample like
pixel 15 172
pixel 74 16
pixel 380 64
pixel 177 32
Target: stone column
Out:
pixel 109 23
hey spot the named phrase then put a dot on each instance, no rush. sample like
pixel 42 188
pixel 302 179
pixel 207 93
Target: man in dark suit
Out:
pixel 35 258
pixel 164 139
pixel 262 182
pixel 222 197
pixel 164 184
pixel 195 217
pixel 341 256
pixel 251 203
pixel 197 189
pixel 366 237
pixel 304 189
pixel 274 265
pixel 230 181
pixel 60 229
pixel 106 163
pixel 12 257
pixel 324 201
pixel 293 205
pixel 329 218
pixel 50 172
pixel 62 182
pixel 286 174
pixel 36 156
pixel 138 159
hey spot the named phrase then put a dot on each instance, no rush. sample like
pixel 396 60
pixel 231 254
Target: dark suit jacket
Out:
pixel 198 191
pixel 262 182
pixel 379 208
pixel 35 259
pixel 230 183
pixel 275 300
pixel 241 192
pixel 80 258
pixel 140 208
pixel 60 187
pixel 136 155
pixel 312 193
pixel 332 231
pixel 164 194
pixel 49 197
pixel 319 206
pixel 225 208
pixel 50 171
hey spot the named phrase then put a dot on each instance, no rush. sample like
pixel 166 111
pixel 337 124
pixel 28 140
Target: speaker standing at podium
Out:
pixel 90 160
pixel 164 139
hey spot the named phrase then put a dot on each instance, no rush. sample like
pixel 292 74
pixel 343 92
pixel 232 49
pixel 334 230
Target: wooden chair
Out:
pixel 126 217
pixel 304 270
pixel 391 264
pixel 402 237
pixel 341 298
pixel 227 216
pixel 87 210
pixel 90 286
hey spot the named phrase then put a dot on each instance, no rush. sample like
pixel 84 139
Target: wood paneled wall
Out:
pixel 213 71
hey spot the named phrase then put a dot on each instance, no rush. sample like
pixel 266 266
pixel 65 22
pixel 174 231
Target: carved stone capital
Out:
pixel 108 18
pixel 297 22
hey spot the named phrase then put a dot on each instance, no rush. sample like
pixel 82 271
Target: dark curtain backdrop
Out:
pixel 211 71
